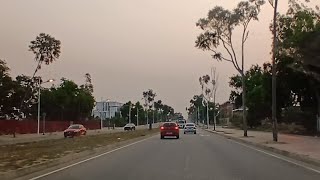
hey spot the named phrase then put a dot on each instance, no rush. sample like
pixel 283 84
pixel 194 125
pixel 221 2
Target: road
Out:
pixel 204 156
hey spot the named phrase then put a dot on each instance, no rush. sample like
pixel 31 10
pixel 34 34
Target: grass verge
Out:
pixel 16 156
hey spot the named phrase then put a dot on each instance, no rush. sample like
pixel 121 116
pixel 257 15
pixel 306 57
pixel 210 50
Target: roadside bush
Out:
pixel 294 115
pixel 236 120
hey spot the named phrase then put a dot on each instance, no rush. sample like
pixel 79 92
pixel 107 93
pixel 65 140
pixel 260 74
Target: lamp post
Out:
pixel 161 114
pixel 109 111
pixel 130 113
pixel 137 116
pixel 153 113
pixel 39 101
pixel 207 114
pixel 101 123
pixel 43 124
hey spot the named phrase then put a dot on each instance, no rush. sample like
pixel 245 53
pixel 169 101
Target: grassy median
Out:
pixel 15 156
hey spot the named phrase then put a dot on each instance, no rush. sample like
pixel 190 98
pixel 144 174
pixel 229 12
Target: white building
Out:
pixel 106 109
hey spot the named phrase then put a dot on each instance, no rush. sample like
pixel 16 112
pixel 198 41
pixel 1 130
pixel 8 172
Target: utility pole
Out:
pixel 129 112
pixel 274 71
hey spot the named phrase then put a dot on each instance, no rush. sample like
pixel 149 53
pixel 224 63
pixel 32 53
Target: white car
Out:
pixel 130 127
pixel 181 124
pixel 190 128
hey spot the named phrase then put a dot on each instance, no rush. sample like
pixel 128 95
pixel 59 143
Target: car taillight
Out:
pixel 176 127
pixel 162 128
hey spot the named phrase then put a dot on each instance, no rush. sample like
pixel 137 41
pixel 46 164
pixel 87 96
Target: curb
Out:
pixel 295 156
pixel 68 159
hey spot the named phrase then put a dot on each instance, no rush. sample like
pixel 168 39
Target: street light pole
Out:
pixel 137 115
pixel 101 124
pixel 207 114
pixel 44 123
pixel 153 113
pixel 39 100
pixel 130 113
pixel 214 111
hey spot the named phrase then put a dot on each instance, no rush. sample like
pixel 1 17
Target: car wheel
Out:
pixel 161 137
pixel 85 132
pixel 195 132
pixel 177 137
pixel 184 132
pixel 134 128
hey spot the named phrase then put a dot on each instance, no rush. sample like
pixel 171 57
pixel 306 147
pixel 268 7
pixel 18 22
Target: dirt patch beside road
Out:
pixel 16 156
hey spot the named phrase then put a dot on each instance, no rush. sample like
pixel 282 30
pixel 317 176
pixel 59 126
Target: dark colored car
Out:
pixel 75 130
pixel 130 127
pixel 169 129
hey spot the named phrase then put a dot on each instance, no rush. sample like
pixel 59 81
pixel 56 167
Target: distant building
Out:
pixel 106 109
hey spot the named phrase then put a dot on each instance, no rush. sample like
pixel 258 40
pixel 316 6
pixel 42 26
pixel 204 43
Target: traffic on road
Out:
pixel 203 156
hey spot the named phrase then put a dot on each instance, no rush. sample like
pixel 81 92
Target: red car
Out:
pixel 75 130
pixel 169 129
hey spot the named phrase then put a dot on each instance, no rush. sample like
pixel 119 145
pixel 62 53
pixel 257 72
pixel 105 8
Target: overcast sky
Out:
pixel 128 46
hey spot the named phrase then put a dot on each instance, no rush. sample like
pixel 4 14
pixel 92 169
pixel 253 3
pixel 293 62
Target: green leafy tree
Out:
pixel 218 29
pixel 138 108
pixel 149 96
pixel 68 101
pixel 7 90
pixel 125 111
pixel 88 83
pixel 258 83
pixel 46 50
pixel 298 31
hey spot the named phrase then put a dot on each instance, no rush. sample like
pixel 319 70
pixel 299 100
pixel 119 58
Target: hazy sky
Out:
pixel 128 46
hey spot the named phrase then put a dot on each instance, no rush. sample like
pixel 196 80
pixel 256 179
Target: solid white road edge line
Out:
pixel 91 158
pixel 278 157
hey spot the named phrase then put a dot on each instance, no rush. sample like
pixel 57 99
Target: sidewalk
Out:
pixel 305 148
pixel 23 138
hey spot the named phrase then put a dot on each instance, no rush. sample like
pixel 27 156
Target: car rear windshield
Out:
pixel 74 127
pixel 181 122
pixel 190 125
pixel 169 124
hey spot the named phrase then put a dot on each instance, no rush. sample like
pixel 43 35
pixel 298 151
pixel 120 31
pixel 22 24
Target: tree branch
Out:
pixel 234 61
pixel 220 56
pixel 271 3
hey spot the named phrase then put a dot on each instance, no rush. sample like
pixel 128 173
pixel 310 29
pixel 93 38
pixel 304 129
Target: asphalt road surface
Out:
pixel 200 157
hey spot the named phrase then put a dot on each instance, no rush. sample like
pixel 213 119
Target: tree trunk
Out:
pixel 245 128
pixel 149 121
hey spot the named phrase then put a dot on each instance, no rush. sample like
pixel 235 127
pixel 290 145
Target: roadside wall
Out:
pixel 30 126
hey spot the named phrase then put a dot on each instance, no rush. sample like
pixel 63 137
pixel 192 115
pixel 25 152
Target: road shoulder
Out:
pixel 42 168
pixel 295 156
